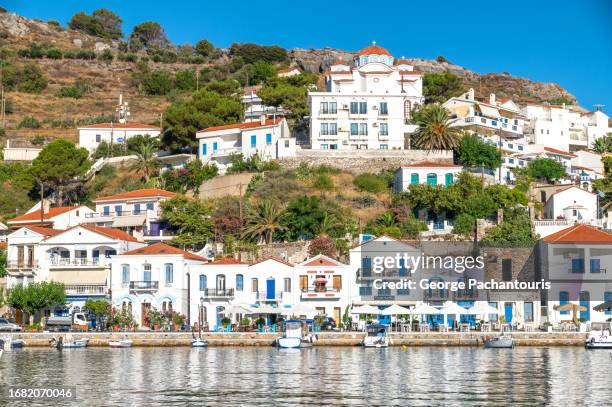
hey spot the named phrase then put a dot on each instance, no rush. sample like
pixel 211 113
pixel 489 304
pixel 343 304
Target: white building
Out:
pixel 561 127
pixel 91 136
pixel 61 217
pixel 268 138
pixel 254 108
pixel 576 261
pixel 566 207
pixel 426 172
pixel 367 103
pixel 137 212
pixel 155 276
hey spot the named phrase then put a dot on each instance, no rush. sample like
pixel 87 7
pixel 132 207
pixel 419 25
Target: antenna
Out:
pixel 123 110
pixel 598 107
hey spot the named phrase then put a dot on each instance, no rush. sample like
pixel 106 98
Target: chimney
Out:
pixel 492 99
pixel 470 94
pixel 45 206
pixel 262 119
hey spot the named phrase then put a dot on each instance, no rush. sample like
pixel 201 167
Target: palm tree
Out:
pixel 264 220
pixel 434 131
pixel 603 144
pixel 327 224
pixel 386 219
pixel 146 163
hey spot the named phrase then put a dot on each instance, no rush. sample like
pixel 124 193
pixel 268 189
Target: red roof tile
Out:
pixel 160 249
pixel 136 126
pixel 430 164
pixel 580 234
pixel 45 231
pixel 559 152
pixel 139 193
pixel 110 232
pixel 248 125
pixel 225 261
pixel 35 216
pixel 373 50
pixel 278 259
pixel 3 245
pixel 412 72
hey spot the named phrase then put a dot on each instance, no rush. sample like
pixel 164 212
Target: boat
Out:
pixel 296 335
pixel 68 343
pixel 199 343
pixel 599 339
pixel 499 342
pixel 124 343
pixel 1 350
pixel 376 337
pixel 8 343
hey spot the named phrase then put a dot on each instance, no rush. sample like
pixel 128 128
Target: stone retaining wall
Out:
pixel 325 338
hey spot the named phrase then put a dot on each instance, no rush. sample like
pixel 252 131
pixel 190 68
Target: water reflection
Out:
pixel 318 376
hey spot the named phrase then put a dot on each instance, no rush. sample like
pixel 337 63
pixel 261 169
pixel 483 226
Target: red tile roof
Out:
pixel 412 72
pixel 580 167
pixel 580 234
pixel 3 245
pixel 328 73
pixel 139 193
pixel 110 232
pixel 136 126
pixel 373 50
pixel 45 231
pixel 278 259
pixel 160 249
pixel 341 62
pixel 430 164
pixel 225 261
pixel 559 152
pixel 248 125
pixel 35 216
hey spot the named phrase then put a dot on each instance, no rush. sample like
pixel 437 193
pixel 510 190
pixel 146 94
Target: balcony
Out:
pixel 21 266
pixel 217 293
pixel 113 214
pixel 159 235
pixel 314 293
pixel 85 289
pixel 144 285
pixel 78 262
pixel 263 296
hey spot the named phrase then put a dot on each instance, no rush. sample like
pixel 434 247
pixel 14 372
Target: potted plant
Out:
pixel 178 321
pixel 156 318
pixel 225 321
pixel 245 322
pixel 548 326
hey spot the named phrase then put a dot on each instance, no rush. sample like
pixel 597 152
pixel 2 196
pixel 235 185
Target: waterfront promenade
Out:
pixel 169 339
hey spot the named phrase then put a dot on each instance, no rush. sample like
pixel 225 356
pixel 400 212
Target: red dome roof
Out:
pixel 374 50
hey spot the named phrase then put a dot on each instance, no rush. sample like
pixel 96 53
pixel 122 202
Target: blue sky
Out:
pixel 562 41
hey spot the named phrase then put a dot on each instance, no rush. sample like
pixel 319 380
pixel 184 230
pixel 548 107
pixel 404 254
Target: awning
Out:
pixel 79 277
pixel 125 221
pixel 491 112
pixel 385 302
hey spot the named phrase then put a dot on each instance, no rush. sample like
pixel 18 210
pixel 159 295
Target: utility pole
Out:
pixel 42 202
pixel 241 204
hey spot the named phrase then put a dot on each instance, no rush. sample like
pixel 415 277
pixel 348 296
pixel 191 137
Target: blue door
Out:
pixel 508 312
pixel 270 288
pixel 585 302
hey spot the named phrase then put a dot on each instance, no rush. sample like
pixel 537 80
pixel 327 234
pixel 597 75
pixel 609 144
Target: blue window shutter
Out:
pixel 203 149
pixel 414 178
pixel 253 141
pixel 268 138
pixel 215 146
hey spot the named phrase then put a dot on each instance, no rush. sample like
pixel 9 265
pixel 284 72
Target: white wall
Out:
pixel 572 196
pixel 403 176
pixel 91 138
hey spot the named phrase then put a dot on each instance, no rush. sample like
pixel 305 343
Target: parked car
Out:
pixel 6 325
pixel 329 324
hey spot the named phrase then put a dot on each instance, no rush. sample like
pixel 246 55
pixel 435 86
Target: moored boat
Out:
pixel 599 339
pixel 296 335
pixel 8 343
pixel 499 342
pixel 124 343
pixel 199 343
pixel 376 337
pixel 68 343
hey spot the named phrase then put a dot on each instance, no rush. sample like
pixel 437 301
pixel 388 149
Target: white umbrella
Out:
pixel 424 309
pixel 395 310
pixel 482 308
pixel 451 308
pixel 238 309
pixel 266 309
pixel 300 309
pixel 366 309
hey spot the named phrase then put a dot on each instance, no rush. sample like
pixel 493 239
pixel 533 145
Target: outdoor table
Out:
pixel 505 327
pixel 424 328
pixel 486 327
pixel 529 328
pixel 465 328
pixel 443 328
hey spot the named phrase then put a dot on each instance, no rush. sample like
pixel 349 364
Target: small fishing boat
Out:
pixel 199 343
pixel 68 343
pixel 8 343
pixel 376 337
pixel 296 335
pixel 124 343
pixel 599 340
pixel 499 342
pixel 1 350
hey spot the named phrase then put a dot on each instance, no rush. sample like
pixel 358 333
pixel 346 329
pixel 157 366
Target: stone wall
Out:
pixel 359 161
pixel 294 252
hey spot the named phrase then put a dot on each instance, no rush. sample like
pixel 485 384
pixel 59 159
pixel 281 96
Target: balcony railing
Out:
pixel 113 214
pixel 85 289
pixel 21 265
pixel 263 296
pixel 217 292
pixel 320 290
pixel 94 261
pixel 144 285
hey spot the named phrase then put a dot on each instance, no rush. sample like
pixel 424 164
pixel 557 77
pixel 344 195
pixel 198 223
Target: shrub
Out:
pixel 106 55
pixel 54 53
pixel 364 201
pixel 84 54
pixel 370 183
pixel 129 57
pixel 28 122
pixel 323 182
pixel 75 91
pixel 54 23
pixel 38 140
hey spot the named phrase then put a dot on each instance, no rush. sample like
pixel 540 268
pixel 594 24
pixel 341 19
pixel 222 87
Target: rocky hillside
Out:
pixel 109 78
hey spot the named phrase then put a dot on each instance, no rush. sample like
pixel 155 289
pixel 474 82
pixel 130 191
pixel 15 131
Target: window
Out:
pixel 511 160
pixel 384 146
pixel 414 178
pixel 333 107
pixel 494 122
pixel 204 149
pixel 202 282
pixel 254 285
pixel 608 297
pixel 146 272
pixel 303 283
pixel 432 179
pixel 354 108
pixel 333 129
pixel 150 206
pixel 287 286
pixel 354 129
pixel 268 139
pixel 520 148
pixel 365 291
pixel 136 209
pixel 337 283
pixel 384 129
pixel 333 146
pixel 239 282
pixel 383 108
pixel 363 129
pixel 324 108
pixel 510 145
pixel 220 282
pixel 125 273
pixel 118 210
pixel 215 146
pixel 324 146
pixel 98 138
pixel 286 143
pixel 507 269
pixel 253 141
pixel 448 179
pixel 403 270
pixel 402 291
pixel 528 314
pixel 106 210
pixel 366 266
pixel 521 163
pixel 578 265
pixel 363 107
pixel 169 268
pixel 595 265
pixel 324 129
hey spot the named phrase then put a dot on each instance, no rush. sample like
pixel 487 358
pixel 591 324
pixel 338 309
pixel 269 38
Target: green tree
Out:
pixel 305 214
pixel 473 152
pixel 31 79
pixel 99 308
pixel 146 163
pixel 191 218
pixel 185 80
pixel 434 131
pixel 3 260
pixel 546 169
pixel 290 93
pixel 189 178
pixel 603 144
pixel 183 119
pixel 148 35
pixel 439 87
pixel 370 183
pixel 102 23
pixel 204 48
pixel 324 245
pixel 263 220
pixel 464 224
pixel 36 297
pixel 252 53
pixel 515 230
pixel 59 163
pixel 263 71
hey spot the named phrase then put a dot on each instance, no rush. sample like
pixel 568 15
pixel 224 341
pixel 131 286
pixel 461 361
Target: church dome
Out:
pixel 374 50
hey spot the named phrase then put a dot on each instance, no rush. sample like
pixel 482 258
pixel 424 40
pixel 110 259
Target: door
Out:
pixel 20 256
pixel 337 315
pixel 508 312
pixel 337 283
pixel 585 302
pixel 304 283
pixel 146 274
pixel 144 313
pixel 270 287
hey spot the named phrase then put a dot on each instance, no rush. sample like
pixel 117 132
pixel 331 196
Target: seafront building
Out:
pixel 367 103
